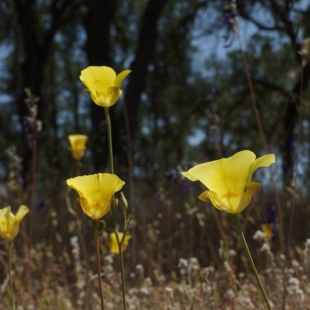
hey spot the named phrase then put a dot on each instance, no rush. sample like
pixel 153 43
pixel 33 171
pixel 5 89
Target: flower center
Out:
pixel 97 205
pixel 230 194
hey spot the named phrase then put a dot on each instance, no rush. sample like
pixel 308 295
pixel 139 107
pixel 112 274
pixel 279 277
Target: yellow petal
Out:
pixel 263 161
pixel 98 78
pixel 268 231
pixel 9 223
pixel 96 210
pixel 22 211
pixel 97 190
pixel 114 245
pixel 232 202
pixel 215 200
pixel 189 176
pixel 120 77
pixel 245 197
pixel 77 143
pixel 226 174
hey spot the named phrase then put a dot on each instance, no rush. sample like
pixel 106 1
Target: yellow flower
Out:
pixel 96 192
pixel 103 84
pixel 113 242
pixel 9 223
pixel 77 145
pixel 268 231
pixel 229 180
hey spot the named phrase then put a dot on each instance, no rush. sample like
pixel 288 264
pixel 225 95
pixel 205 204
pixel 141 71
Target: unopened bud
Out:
pixel 123 202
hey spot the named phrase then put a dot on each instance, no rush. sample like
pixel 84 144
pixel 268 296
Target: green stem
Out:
pixel 249 257
pixel 10 276
pixel 121 262
pixel 107 116
pixel 110 144
pixel 125 220
pixel 96 233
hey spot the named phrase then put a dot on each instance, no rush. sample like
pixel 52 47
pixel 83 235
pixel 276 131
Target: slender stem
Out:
pixel 121 262
pixel 125 219
pixel 249 257
pixel 96 233
pixel 107 116
pixel 10 276
pixel 110 144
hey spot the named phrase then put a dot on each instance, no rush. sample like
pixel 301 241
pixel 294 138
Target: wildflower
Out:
pixel 229 180
pixel 96 192
pixel 77 143
pixel 103 84
pixel 114 245
pixel 268 231
pixel 9 223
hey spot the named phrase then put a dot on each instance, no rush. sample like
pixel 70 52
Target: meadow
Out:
pixel 155 155
pixel 92 249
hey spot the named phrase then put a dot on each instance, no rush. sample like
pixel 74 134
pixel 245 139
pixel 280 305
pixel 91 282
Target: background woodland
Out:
pixel 187 98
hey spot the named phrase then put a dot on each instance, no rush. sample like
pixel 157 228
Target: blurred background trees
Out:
pixel 187 97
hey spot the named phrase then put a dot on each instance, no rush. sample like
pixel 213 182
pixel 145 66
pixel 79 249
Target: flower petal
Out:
pixel 245 197
pixel 22 211
pixel 226 174
pixel 98 78
pixel 189 176
pixel 96 192
pixel 215 200
pixel 263 161
pixel 120 77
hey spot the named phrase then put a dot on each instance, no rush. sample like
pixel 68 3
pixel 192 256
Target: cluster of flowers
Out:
pixel 228 181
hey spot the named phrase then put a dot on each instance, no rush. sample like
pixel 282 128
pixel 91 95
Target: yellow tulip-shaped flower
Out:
pixel 77 143
pixel 9 223
pixel 103 84
pixel 96 192
pixel 113 242
pixel 229 180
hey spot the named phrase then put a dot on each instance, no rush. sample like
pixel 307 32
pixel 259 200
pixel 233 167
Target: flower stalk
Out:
pixel 96 234
pixel 104 87
pixel 237 225
pixel 121 262
pixel 111 165
pixel 10 276
pixel 110 144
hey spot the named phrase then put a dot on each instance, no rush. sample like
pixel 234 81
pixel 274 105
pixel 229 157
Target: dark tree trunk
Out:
pixel 143 57
pixel 97 24
pixel 33 47
pixel 32 58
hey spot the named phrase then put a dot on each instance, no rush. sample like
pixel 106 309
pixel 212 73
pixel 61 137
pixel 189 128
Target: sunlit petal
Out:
pixel 22 211
pixel 229 180
pixel 78 147
pixel 120 77
pixel 96 192
pixel 103 84
pixel 114 245
pixel 9 223
pixel 263 161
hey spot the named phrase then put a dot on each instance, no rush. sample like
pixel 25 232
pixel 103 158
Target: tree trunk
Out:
pixel 97 24
pixel 143 57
